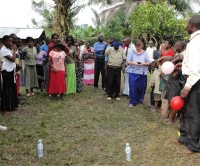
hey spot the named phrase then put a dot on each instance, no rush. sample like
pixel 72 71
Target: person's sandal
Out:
pixel 28 94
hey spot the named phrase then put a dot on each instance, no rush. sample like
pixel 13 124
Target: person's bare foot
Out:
pixel 176 142
pixel 154 111
pixel 170 123
pixel 5 112
pixel 188 152
pixel 178 120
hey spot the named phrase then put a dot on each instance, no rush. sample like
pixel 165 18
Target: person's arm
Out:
pixel 178 58
pixel 147 60
pixel 124 61
pixel 104 50
pixel 158 61
pixel 51 64
pixel 78 52
pixel 152 80
pixel 65 65
pixel 12 59
pixel 193 74
pixel 108 51
pixel 129 60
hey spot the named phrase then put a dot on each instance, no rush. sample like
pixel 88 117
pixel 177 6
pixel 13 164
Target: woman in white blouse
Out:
pixel 9 95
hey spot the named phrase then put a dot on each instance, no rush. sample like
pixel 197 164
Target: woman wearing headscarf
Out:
pixel 41 55
pixel 71 65
pixel 30 73
pixel 138 62
pixel 88 63
pixel 9 95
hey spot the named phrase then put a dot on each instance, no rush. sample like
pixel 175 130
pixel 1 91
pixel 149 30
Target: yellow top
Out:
pixel 116 57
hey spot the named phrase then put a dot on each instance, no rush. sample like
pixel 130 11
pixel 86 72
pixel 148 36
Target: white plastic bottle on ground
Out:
pixel 40 149
pixel 128 152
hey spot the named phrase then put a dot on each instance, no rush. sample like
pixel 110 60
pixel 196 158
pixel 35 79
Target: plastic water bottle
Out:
pixel 40 148
pixel 128 152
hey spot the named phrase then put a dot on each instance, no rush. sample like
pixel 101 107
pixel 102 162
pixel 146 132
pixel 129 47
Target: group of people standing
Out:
pixel 61 67
pixel 184 81
pixel 55 66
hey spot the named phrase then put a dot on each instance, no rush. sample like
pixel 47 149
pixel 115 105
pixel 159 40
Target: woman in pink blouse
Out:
pixel 57 84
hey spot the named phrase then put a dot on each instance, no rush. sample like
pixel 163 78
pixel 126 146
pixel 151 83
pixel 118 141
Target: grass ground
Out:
pixel 87 130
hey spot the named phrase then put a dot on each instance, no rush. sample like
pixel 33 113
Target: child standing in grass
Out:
pixel 163 79
pixel 155 82
pixel 57 84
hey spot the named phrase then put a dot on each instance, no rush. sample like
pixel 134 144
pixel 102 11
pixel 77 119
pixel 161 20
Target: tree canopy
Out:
pixel 158 20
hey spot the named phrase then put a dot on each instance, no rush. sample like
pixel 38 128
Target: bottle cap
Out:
pixel 127 144
pixel 39 140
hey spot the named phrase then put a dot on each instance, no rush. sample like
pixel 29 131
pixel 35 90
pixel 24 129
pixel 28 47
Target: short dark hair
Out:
pixel 28 39
pixel 88 41
pixel 195 20
pixel 169 37
pixel 6 38
pixel 70 37
pixel 54 34
pixel 37 43
pixel 170 42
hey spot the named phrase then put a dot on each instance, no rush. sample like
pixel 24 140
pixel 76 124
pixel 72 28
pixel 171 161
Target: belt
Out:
pixel 114 67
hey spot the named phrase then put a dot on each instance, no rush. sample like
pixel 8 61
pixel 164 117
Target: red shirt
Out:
pixel 169 53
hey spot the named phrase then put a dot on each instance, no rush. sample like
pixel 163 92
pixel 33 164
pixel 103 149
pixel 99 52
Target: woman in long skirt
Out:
pixel 71 66
pixel 88 63
pixel 9 100
pixel 79 70
pixel 138 63
pixel 47 68
pixel 30 73
pixel 57 84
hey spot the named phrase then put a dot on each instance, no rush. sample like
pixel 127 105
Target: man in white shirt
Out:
pixel 130 47
pixel 150 51
pixel 190 127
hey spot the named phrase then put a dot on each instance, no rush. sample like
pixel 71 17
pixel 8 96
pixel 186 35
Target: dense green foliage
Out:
pixel 158 20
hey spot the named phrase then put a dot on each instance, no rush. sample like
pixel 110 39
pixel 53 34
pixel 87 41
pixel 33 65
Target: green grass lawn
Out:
pixel 87 130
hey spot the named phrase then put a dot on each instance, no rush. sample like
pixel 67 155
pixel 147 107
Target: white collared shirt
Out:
pixel 131 48
pixel 150 52
pixel 191 61
pixel 7 65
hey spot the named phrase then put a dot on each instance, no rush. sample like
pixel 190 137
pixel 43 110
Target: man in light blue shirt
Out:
pixel 44 47
pixel 99 62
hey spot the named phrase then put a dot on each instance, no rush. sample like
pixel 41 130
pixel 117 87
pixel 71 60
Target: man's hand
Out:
pixel 14 47
pixel 108 42
pixel 184 93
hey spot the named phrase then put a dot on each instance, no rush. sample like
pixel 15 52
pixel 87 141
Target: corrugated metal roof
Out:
pixel 22 33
